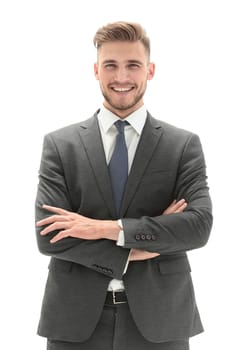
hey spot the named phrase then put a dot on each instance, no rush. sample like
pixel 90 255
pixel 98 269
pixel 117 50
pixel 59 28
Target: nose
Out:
pixel 121 74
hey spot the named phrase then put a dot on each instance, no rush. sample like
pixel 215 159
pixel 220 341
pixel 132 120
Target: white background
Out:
pixel 46 81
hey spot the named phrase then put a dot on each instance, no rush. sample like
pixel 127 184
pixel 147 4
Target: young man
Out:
pixel 122 196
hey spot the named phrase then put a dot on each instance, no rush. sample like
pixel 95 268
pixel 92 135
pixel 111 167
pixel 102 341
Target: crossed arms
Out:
pixel 69 236
pixel 78 226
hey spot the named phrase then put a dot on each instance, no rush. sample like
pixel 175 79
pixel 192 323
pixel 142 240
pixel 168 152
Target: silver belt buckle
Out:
pixel 114 299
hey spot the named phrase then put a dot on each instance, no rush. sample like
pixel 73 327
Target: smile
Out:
pixel 122 89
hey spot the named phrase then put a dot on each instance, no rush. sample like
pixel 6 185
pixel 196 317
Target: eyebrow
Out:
pixel 128 61
pixel 135 61
pixel 109 61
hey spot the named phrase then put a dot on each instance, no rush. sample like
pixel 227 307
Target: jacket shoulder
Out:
pixel 170 129
pixel 71 131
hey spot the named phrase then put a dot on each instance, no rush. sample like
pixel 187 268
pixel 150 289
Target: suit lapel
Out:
pixel 93 145
pixel 91 139
pixel 149 139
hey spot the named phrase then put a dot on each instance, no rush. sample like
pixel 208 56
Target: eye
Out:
pixel 110 66
pixel 133 66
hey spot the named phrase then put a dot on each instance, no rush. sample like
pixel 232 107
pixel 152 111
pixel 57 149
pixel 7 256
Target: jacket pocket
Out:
pixel 176 265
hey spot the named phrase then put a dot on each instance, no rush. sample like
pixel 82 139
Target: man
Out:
pixel 118 206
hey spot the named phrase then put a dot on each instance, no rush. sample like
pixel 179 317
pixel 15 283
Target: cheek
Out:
pixel 141 77
pixel 104 78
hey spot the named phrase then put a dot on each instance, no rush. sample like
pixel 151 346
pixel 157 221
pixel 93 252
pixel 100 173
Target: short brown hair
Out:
pixel 122 31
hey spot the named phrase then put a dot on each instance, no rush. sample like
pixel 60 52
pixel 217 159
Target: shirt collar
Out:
pixel 136 119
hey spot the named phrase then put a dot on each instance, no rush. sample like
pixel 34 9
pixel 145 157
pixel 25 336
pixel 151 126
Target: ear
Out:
pixel 151 71
pixel 96 71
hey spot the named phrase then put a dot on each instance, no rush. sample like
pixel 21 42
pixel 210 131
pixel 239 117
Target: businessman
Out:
pixel 122 197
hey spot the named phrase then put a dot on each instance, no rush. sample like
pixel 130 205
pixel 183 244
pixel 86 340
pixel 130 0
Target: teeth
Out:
pixel 122 89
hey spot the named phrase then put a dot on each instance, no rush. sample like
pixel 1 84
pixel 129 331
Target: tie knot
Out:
pixel 119 124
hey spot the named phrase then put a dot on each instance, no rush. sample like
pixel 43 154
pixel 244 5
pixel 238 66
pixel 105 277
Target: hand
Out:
pixel 78 226
pixel 75 225
pixel 176 207
pixel 137 254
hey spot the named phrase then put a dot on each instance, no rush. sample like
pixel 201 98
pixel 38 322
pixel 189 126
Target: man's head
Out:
pixel 123 66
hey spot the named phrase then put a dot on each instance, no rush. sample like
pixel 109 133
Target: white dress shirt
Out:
pixel 132 133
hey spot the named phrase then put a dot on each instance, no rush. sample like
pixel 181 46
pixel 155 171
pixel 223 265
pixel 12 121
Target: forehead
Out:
pixel 122 51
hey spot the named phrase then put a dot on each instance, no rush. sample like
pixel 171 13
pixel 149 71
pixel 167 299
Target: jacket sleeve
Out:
pixel 166 234
pixel 103 256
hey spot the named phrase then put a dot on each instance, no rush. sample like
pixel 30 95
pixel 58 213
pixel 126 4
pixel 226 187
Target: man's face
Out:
pixel 123 70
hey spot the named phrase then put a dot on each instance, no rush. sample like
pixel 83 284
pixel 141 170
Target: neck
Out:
pixel 122 114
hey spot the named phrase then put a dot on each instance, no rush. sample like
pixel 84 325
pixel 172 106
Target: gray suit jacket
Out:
pixel 169 164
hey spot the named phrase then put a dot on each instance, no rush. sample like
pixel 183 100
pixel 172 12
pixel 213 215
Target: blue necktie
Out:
pixel 118 165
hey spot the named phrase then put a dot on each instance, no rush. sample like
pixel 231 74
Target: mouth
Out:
pixel 122 90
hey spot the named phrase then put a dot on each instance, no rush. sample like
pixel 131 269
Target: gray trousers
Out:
pixel 116 330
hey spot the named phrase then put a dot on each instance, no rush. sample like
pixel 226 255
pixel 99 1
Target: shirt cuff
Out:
pixel 121 242
pixel 121 238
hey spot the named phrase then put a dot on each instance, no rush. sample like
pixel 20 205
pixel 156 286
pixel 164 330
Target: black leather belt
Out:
pixel 115 298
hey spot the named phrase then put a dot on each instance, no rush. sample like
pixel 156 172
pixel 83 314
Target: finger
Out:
pixel 53 227
pixel 179 203
pixel 175 207
pixel 49 220
pixel 59 236
pixel 169 208
pixel 173 203
pixel 56 210
pixel 181 208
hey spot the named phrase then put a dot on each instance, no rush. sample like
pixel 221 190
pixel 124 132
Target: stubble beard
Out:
pixel 123 106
